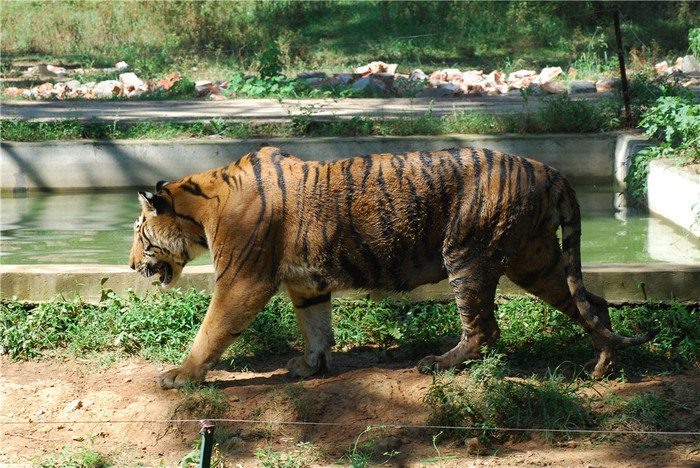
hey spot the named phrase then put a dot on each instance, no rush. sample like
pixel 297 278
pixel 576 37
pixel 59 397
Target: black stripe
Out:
pixel 282 186
pixel 311 301
pixel 193 188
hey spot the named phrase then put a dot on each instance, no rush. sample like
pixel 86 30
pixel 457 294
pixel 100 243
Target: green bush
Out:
pixel 673 124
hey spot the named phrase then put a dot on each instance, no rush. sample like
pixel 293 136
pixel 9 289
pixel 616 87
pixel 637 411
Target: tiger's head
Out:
pixel 164 242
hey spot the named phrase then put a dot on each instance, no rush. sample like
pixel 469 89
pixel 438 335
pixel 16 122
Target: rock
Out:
pixel 690 66
pixel 495 77
pixel 74 405
pixel 107 89
pixel 662 68
pixel 534 89
pixel 386 78
pixel 581 86
pixel 203 88
pixel 344 78
pixel 73 85
pixel 474 446
pixel 44 88
pixel 520 74
pixel 131 79
pixel 434 93
pixel 376 85
pixel 417 75
pixel 376 67
pixel 552 87
pixel 121 66
pixel 389 444
pixel 549 73
pixel 319 75
pixel 608 85
pixel 362 83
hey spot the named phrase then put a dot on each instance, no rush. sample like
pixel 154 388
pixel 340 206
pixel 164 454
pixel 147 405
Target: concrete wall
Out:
pixel 674 193
pixel 616 282
pixel 121 164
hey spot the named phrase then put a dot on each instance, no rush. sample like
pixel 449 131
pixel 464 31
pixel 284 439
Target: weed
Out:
pixel 296 393
pixel 362 456
pixel 298 455
pixel 192 459
pixel 645 412
pixel 83 457
pixel 203 401
pixel 483 399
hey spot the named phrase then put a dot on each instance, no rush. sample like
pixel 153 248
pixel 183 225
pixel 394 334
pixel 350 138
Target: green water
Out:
pixel 96 228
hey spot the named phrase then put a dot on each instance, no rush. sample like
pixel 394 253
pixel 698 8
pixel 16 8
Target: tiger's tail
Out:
pixel 570 221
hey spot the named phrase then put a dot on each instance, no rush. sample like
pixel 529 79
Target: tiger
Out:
pixel 381 221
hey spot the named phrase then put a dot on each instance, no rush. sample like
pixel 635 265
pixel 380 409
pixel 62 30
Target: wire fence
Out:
pixel 362 425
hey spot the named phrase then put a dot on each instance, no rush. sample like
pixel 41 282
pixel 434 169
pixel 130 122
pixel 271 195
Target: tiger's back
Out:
pixel 386 221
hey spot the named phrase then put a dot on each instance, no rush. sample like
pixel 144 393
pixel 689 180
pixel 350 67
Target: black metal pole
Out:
pixel 621 59
pixel 207 431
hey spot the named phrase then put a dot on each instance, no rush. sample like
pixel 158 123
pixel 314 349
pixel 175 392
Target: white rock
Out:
pixel 74 405
pixel 131 79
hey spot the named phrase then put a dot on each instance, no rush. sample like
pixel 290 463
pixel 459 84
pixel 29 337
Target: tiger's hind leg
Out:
pixel 539 269
pixel 474 286
pixel 314 318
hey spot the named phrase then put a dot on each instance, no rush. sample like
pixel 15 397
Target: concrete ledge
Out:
pixel 91 165
pixel 674 193
pixel 618 283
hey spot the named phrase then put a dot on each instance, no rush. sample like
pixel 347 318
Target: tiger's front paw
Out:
pixel 178 377
pixel 429 364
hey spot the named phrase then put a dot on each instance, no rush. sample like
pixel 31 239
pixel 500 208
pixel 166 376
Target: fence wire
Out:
pixel 377 426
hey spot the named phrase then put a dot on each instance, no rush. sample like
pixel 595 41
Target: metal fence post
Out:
pixel 207 431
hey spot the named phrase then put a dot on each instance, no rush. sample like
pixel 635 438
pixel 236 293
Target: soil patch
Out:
pixel 59 407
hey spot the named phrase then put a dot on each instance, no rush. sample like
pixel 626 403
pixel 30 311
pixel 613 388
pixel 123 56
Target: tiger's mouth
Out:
pixel 164 270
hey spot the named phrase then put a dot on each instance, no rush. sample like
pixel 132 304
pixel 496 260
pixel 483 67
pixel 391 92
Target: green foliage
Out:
pixel 157 326
pixel 673 123
pixel 483 398
pixel 298 455
pixel 676 347
pixel 161 327
pixel 157 37
pixel 647 412
pixel 83 457
pixel 415 326
pixel 273 86
pixel 535 334
pixel 694 41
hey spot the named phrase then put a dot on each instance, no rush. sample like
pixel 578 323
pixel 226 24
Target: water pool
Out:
pixel 96 228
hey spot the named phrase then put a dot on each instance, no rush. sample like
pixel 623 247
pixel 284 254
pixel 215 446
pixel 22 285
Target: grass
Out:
pixel 82 457
pixel 482 398
pixel 556 115
pixel 161 326
pixel 265 37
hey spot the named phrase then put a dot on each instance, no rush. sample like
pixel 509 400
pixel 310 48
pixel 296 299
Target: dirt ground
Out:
pixel 52 407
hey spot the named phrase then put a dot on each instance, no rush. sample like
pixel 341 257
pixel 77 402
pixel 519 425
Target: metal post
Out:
pixel 621 59
pixel 207 431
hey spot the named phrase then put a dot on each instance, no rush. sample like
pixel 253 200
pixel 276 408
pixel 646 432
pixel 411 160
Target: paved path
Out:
pixel 262 109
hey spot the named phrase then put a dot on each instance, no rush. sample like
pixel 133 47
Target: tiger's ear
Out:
pixel 153 204
pixel 161 184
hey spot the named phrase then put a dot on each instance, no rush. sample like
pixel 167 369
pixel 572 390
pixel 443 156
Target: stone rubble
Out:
pixel 380 77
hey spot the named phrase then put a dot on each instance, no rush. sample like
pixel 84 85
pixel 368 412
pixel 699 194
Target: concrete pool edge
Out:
pixel 617 282
pixel 117 164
